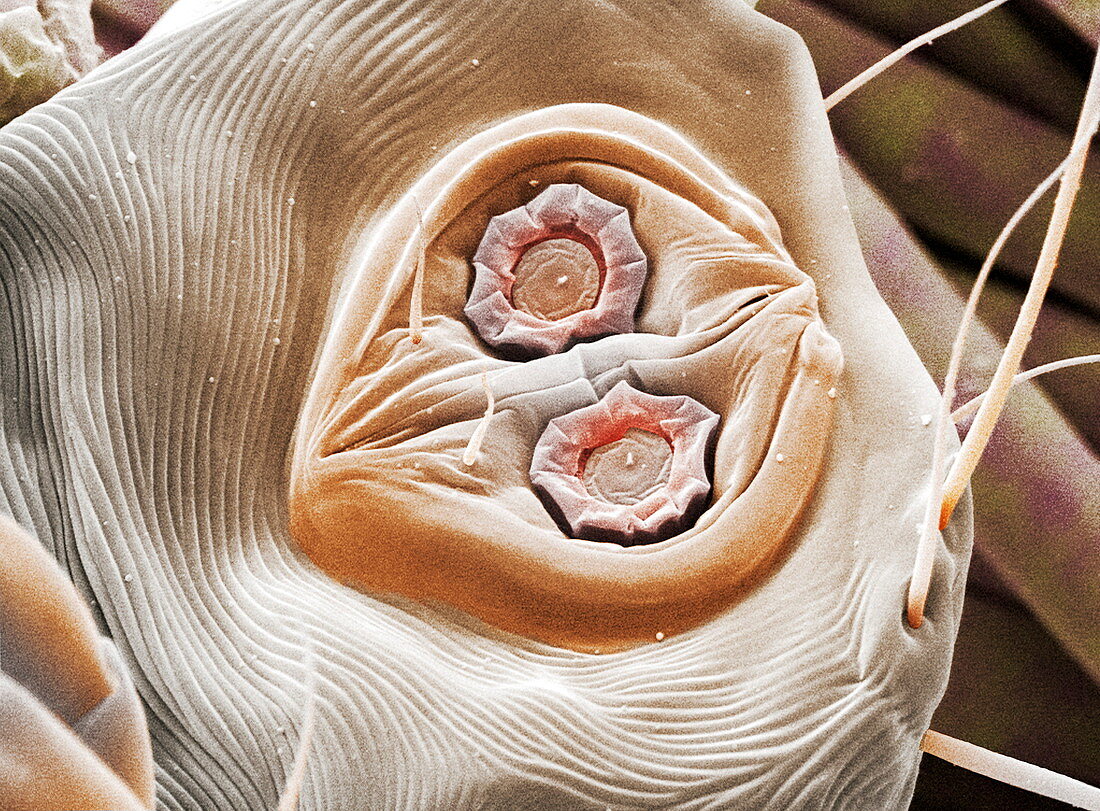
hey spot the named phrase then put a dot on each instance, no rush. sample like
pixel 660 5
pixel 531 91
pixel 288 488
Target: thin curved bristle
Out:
pixel 946 492
pixel 1011 771
pixel 971 405
pixel 990 410
pixel 288 800
pixel 474 447
pixel 922 565
pixel 416 300
pixel 863 78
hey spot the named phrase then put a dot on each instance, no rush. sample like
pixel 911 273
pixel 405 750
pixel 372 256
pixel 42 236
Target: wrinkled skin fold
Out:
pixel 163 319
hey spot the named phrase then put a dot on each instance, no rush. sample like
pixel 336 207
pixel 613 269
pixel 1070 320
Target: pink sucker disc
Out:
pixel 565 267
pixel 630 469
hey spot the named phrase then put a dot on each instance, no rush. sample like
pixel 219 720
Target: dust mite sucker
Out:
pixel 630 469
pixel 563 267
